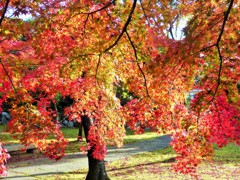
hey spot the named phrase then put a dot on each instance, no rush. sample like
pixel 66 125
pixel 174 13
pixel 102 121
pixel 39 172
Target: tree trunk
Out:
pixel 238 87
pixel 96 168
pixel 80 137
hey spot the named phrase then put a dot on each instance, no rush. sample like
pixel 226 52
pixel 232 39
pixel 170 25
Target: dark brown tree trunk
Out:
pixel 238 87
pixel 80 137
pixel 96 168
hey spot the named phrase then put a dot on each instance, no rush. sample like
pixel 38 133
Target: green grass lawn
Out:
pixel 151 165
pixel 157 165
pixel 71 135
pixel 5 136
pixel 73 146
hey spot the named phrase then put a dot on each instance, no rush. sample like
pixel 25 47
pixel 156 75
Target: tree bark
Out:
pixel 238 87
pixel 80 136
pixel 96 168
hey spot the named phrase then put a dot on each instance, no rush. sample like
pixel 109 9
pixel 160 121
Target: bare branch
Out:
pixel 100 9
pixel 3 40
pixel 170 30
pixel 4 11
pixel 96 74
pixel 135 54
pixel 85 23
pixel 10 79
pixel 98 64
pixel 110 17
pixel 219 71
pixel 144 12
pixel 124 27
pixel 226 14
pixel 95 11
pixel 171 26
pixel 84 28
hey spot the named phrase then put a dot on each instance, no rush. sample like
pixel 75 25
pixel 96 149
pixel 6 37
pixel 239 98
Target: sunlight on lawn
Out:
pixel 151 165
pixel 157 165
pixel 71 135
pixel 147 135
pixel 5 136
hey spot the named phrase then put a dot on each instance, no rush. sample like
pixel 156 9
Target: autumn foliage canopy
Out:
pixel 86 49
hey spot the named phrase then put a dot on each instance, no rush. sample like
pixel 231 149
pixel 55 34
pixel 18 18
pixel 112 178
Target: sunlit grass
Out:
pixel 132 137
pixel 157 165
pixel 151 165
pixel 73 146
pixel 227 154
pixel 5 136
pixel 71 135
pixel 2 127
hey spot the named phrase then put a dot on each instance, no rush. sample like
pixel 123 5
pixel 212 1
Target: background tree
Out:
pixel 131 42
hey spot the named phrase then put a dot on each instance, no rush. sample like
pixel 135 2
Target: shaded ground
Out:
pixel 157 165
pixel 39 166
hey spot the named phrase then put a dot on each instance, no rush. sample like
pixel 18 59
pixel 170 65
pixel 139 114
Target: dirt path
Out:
pixel 39 167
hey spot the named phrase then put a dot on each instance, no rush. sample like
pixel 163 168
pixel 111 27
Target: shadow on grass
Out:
pixel 170 160
pixel 34 175
pixel 112 169
pixel 38 159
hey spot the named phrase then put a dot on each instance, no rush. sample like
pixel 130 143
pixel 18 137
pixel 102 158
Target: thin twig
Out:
pixel 95 11
pixel 10 79
pixel 84 27
pixel 4 11
pixel 170 30
pixel 171 26
pixel 226 14
pixel 144 13
pixel 110 17
pixel 3 39
pixel 98 64
pixel 225 20
pixel 100 9
pixel 84 30
pixel 124 27
pixel 219 72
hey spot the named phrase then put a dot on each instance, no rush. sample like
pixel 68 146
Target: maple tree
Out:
pixel 86 48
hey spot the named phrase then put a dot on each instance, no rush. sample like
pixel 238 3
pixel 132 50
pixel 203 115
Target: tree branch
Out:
pixel 171 26
pixel 95 11
pixel 10 79
pixel 124 27
pixel 224 21
pixel 144 12
pixel 135 54
pixel 98 64
pixel 219 72
pixel 100 9
pixel 3 39
pixel 84 28
pixel 226 14
pixel 170 30
pixel 4 11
